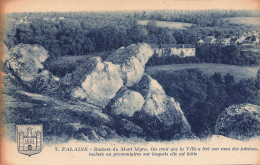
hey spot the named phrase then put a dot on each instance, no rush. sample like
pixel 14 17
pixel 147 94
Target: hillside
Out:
pixel 114 98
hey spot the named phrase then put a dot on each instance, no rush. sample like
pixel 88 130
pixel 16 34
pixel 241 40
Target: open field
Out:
pixel 239 72
pixel 171 25
pixel 244 20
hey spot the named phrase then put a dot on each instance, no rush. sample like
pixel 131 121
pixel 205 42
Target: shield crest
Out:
pixel 29 139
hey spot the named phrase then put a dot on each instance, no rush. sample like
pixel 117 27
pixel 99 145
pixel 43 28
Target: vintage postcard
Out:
pixel 130 82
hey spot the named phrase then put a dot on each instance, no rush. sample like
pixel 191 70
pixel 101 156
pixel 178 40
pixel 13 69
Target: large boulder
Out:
pixel 26 60
pixel 239 122
pixel 132 60
pixel 9 80
pixel 155 97
pixel 127 102
pixel 24 66
pixel 161 115
pixel 96 82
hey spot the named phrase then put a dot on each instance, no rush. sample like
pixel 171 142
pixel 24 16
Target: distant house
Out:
pixel 23 21
pixel 241 39
pixel 226 41
pixel 256 41
pixel 255 33
pixel 249 34
pixel 46 19
pixel 200 41
pixel 61 18
pixel 182 50
pixel 210 39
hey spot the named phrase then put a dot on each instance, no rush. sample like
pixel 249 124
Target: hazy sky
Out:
pixel 108 5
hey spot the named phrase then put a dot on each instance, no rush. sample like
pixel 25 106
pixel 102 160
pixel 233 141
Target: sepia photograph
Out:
pixel 130 82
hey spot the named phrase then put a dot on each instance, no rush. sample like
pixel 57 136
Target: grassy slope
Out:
pixel 244 20
pixel 239 72
pixel 57 116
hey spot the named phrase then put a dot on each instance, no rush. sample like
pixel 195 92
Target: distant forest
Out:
pixel 81 33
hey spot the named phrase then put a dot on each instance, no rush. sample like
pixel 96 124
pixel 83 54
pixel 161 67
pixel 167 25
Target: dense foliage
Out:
pixel 81 33
pixel 203 97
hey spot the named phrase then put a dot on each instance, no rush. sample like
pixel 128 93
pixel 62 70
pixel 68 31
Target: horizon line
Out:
pixel 133 10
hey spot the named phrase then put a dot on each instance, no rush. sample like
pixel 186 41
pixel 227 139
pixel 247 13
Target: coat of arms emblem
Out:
pixel 29 139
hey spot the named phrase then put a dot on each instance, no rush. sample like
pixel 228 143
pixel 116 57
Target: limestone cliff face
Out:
pixel 239 122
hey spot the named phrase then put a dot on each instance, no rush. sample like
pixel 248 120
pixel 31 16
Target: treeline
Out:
pixel 212 53
pixel 204 18
pixel 83 33
pixel 72 37
pixel 203 98
pixel 227 55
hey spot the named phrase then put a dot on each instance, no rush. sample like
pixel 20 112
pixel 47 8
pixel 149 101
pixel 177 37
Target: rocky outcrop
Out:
pixel 132 60
pixel 127 102
pixel 24 65
pixel 120 82
pixel 155 97
pixel 26 61
pixel 239 122
pixel 97 82
pixel 160 114
pixel 104 99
